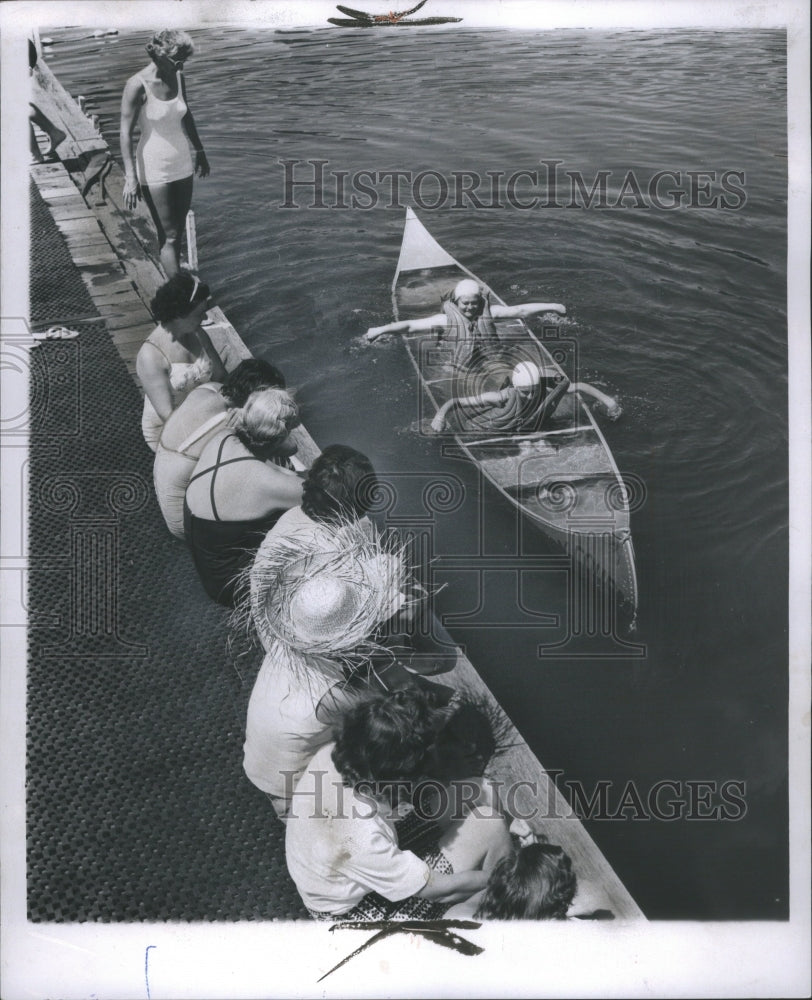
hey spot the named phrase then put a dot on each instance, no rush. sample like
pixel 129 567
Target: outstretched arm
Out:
pixel 407 326
pixel 527 309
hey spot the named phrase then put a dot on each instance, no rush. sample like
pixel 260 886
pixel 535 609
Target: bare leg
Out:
pixel 55 134
pixel 168 205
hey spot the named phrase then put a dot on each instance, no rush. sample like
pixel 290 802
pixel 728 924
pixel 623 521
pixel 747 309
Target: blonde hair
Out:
pixel 173 44
pixel 267 418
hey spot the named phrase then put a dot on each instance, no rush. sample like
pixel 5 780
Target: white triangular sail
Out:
pixel 419 248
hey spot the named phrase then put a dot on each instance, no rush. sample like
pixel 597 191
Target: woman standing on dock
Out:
pixel 178 355
pixel 162 169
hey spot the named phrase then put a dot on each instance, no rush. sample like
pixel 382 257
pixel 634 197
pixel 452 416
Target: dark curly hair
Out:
pixel 341 483
pixel 247 377
pixel 178 297
pixel 535 883
pixel 385 737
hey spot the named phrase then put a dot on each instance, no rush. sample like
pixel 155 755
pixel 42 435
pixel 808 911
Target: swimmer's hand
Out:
pixel 131 193
pixel 438 424
pixel 556 307
pixel 374 332
pixel 613 409
pixel 202 168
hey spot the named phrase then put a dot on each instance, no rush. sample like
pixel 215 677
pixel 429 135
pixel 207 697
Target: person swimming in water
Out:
pixel 523 405
pixel 466 322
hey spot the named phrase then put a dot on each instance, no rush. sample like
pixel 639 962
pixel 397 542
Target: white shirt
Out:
pixel 282 730
pixel 339 846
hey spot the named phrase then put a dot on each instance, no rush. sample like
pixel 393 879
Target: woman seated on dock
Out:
pixel 466 323
pixel 205 412
pixel 162 171
pixel 350 796
pixel 241 484
pixel 340 487
pixel 525 403
pixel 325 562
pixel 178 355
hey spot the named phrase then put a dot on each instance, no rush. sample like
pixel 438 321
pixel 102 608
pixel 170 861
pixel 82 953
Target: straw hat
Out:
pixel 328 593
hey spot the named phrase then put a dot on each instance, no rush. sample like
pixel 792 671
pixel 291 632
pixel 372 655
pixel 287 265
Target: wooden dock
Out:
pixel 115 251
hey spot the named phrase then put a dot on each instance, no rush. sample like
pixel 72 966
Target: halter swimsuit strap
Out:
pixel 214 469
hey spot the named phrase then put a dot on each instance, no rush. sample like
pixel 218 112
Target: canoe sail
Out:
pixel 563 478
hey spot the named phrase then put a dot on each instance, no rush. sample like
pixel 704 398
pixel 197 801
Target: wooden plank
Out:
pixel 51 98
pixel 86 224
pixel 69 209
pixel 131 318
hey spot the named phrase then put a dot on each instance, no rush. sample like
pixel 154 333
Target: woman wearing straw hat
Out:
pixel 241 484
pixel 341 843
pixel 320 604
pixel 341 486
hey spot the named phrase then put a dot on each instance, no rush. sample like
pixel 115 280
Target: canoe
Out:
pixel 563 478
pixel 349 22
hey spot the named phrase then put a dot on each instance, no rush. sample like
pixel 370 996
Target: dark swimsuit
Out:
pixel 222 550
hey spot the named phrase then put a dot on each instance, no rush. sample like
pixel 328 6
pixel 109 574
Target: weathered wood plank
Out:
pixel 52 99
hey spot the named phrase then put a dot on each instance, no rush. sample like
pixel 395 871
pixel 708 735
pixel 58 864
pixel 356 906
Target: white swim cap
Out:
pixel 525 375
pixel 466 287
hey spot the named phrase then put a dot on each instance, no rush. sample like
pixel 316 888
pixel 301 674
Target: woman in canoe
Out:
pixel 205 412
pixel 525 404
pixel 162 169
pixel 243 481
pixel 466 322
pixel 178 355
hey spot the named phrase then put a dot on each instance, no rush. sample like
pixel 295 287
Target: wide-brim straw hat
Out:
pixel 327 593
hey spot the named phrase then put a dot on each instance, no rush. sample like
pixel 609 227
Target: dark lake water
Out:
pixel 678 312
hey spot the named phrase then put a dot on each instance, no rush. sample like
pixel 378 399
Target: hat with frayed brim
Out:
pixel 328 593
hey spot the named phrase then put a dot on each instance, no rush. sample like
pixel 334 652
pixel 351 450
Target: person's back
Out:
pixel 241 484
pixel 185 434
pixel 231 483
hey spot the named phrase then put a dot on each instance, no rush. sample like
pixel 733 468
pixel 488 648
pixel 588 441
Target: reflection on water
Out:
pixel 679 313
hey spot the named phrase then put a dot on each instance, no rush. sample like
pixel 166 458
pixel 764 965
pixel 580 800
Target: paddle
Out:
pixel 359 15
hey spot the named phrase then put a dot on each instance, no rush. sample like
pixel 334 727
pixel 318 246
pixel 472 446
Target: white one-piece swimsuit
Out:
pixel 163 151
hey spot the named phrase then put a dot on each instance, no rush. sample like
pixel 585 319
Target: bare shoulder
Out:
pixel 134 87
